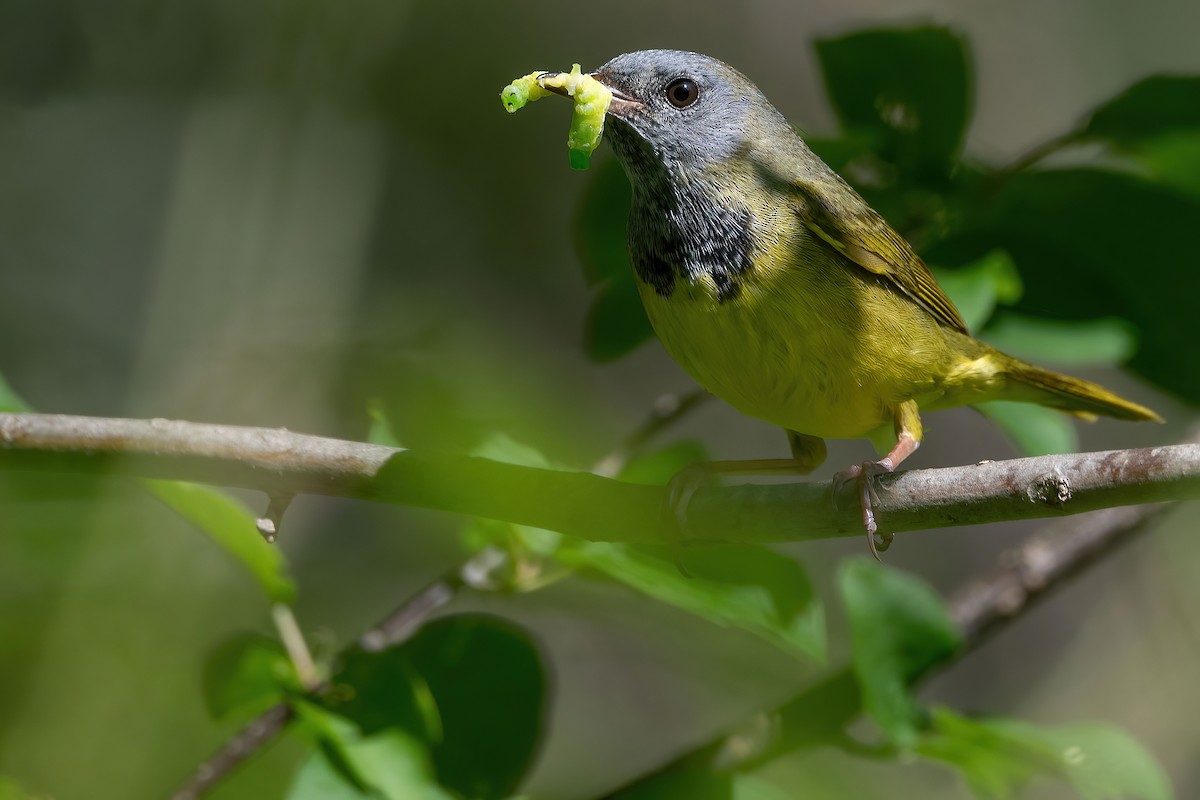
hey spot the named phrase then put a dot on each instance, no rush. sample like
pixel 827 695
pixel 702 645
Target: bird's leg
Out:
pixel 808 453
pixel 908 439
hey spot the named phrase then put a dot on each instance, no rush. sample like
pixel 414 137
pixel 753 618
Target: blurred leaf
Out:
pixel 317 779
pixel 396 765
pixel 380 431
pixel 1173 160
pixel 487 679
pixel 977 287
pixel 1088 243
pixel 10 401
pixel 742 586
pixel 244 675
pixel 380 690
pixel 470 686
pixel 911 87
pixel 1151 107
pixel 600 224
pixel 690 782
pixel 499 446
pixel 749 787
pixel 515 539
pixel 11 790
pixel 999 757
pixel 1096 343
pixel 231 525
pixel 898 627
pixel 616 320
pixel 657 468
pixel 390 764
pixel 1105 763
pixel 995 763
pixel 1035 430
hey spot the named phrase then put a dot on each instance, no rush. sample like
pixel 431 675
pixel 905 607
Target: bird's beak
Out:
pixel 621 102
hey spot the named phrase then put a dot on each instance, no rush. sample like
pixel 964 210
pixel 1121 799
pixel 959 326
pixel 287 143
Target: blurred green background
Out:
pixel 277 213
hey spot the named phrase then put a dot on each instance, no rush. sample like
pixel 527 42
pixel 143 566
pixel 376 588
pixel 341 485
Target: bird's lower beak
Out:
pixel 621 102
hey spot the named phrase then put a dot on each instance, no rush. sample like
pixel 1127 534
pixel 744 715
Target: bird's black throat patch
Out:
pixel 679 230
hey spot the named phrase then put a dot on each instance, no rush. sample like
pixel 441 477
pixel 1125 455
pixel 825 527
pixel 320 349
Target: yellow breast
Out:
pixel 809 344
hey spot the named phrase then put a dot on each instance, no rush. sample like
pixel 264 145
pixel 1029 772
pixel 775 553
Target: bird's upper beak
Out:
pixel 621 102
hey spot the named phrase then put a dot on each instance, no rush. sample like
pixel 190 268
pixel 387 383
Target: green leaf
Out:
pixel 380 431
pixel 390 764
pixel 1105 763
pixel 499 446
pixel 9 788
pixel 471 687
pixel 616 320
pixel 1151 107
pixel 381 690
pixel 246 674
pixel 1035 430
pixel 1172 160
pixel 231 525
pixel 995 762
pixel 1000 757
pixel 1092 243
pixel 691 782
pixel 657 468
pixel 899 627
pixel 1101 342
pixel 977 287
pixel 10 401
pixel 317 779
pixel 910 87
pixel 742 586
pixel 600 225
pixel 487 679
pixel 749 787
pixel 394 764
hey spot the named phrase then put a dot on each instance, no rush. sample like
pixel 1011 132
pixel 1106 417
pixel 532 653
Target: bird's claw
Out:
pixel 673 516
pixel 862 474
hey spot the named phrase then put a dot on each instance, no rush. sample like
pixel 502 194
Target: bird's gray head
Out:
pixel 678 112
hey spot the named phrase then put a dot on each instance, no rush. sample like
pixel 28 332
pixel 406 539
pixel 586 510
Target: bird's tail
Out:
pixel 1072 395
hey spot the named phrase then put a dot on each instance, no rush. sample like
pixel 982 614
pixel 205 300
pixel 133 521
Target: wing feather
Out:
pixel 865 238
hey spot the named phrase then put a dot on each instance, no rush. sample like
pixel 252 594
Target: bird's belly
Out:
pixel 774 355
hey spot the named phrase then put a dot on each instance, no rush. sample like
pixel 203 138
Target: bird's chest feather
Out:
pixel 753 308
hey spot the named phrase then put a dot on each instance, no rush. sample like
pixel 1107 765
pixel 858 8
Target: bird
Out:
pixel 778 288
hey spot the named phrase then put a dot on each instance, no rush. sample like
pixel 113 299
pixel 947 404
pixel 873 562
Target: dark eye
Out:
pixel 682 93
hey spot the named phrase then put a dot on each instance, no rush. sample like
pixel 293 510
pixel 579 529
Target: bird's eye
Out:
pixel 682 93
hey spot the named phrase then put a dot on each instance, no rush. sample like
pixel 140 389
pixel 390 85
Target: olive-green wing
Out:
pixel 856 231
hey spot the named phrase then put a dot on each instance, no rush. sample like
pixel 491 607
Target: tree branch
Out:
pixel 587 505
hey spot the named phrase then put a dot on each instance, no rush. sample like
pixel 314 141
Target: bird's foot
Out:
pixel 862 474
pixel 673 515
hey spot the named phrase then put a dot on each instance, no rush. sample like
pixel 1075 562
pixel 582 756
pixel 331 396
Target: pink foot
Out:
pixel 862 474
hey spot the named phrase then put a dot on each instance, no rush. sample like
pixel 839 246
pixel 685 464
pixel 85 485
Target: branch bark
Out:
pixel 584 504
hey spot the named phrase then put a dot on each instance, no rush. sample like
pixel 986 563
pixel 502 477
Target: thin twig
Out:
pixel 295 646
pixel 585 505
pixel 1031 158
pixel 255 735
pixel 668 409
